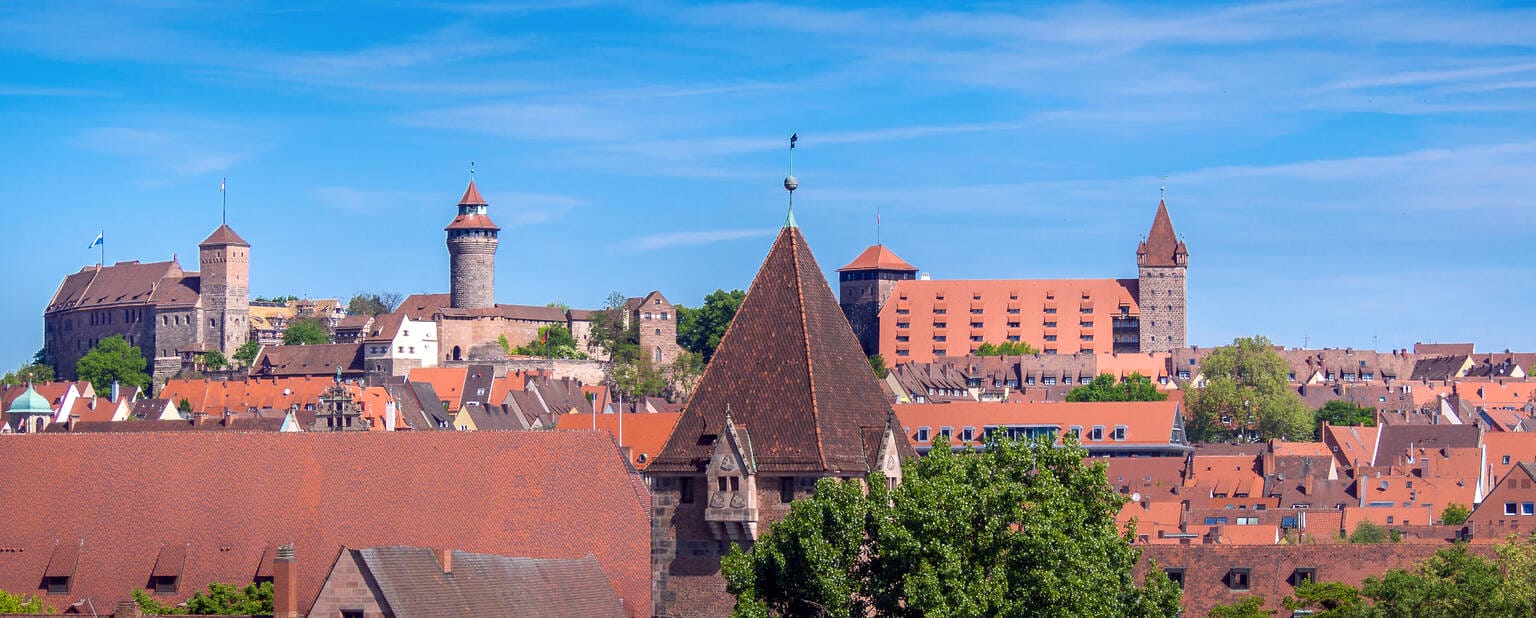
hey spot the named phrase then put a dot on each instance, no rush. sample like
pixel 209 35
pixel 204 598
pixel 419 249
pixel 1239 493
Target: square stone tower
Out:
pixel 1162 263
pixel 863 286
pixel 225 290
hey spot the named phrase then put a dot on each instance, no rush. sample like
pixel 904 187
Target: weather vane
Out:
pixel 471 170
pixel 790 183
pixel 1162 191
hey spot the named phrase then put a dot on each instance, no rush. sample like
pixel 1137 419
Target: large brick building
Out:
pixel 904 317
pixel 787 399
pixel 165 311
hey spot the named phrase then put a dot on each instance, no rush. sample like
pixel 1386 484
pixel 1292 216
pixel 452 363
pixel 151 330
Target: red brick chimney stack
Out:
pixel 285 590
pixel 445 558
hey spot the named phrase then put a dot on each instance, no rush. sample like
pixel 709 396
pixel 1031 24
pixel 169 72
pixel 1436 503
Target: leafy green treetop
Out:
pixel 1018 529
pixel 1340 413
pixel 113 360
pixel 221 599
pixel 247 352
pixel 32 373
pixel 20 604
pixel 307 331
pixel 554 341
pixel 1455 514
pixel 1246 383
pixel 877 363
pixel 700 330
pixel 1134 387
pixel 1006 348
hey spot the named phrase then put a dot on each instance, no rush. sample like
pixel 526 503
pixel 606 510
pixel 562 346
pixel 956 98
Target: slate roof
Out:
pixel 1395 440
pixel 877 257
pixel 413 583
pixel 791 370
pixel 503 493
pixel 225 235
pixel 1162 247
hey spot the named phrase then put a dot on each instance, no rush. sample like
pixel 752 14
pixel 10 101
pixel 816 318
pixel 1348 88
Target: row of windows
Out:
pixel 1240 578
pixel 968 434
pixel 872 275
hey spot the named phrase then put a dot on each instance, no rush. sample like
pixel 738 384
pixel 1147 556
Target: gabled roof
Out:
pixel 123 283
pixel 413 583
pixel 1162 246
pixel 225 235
pixel 644 434
pixel 877 257
pixel 790 369
pixel 354 489
pixel 309 360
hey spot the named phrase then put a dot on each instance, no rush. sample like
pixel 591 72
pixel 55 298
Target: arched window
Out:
pixel 656 354
pixel 456 353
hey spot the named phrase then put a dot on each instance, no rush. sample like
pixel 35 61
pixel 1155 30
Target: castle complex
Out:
pixel 906 318
pixel 170 314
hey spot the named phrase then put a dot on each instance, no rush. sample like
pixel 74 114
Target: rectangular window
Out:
pixel 1050 337
pixel 56 585
pixel 1528 508
pixel 976 311
pixel 351 613
pixel 947 432
pixel 922 434
pixel 977 338
pixel 903 352
pixel 1085 323
pixel 1050 324
pixel 903 312
pixel 1511 508
pixel 941 325
pixel 1013 337
pixel 1049 381
pixel 941 338
pixel 903 338
pixel 165 584
pixel 1087 310
pixel 1013 311
pixel 1175 575
pixel 968 434
pixel 1304 574
pixel 685 491
pixel 1076 431
pixel 1087 337
pixel 1237 579
pixel 787 489
pixel 1119 434
pixel 1097 433
pixel 976 324
pixel 903 325
pixel 1050 310
pixel 940 311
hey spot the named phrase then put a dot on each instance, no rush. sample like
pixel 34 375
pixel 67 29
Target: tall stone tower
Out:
pixel 1162 263
pixel 863 286
pixel 472 254
pixel 225 260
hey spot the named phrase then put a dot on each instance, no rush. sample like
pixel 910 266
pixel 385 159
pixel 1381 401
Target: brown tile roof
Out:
pixel 309 360
pixel 405 488
pixel 413 583
pixel 422 306
pixel 791 370
pixel 123 283
pixel 1162 247
pixel 384 327
pixel 1442 348
pixel 877 257
pixel 225 235
pixel 1394 441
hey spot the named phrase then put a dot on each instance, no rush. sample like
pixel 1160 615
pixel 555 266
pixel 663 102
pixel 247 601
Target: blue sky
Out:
pixel 1349 172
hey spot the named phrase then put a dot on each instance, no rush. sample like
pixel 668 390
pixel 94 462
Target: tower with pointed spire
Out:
pixel 1162 266
pixel 225 259
pixel 472 240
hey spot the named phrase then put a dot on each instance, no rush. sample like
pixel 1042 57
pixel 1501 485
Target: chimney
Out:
pixel 285 591
pixel 445 558
pixel 389 416
pixel 73 418
pixel 229 418
pixel 199 417
pixel 128 608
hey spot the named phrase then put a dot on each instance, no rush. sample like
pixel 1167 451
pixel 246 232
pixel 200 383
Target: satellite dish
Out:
pixel 1136 497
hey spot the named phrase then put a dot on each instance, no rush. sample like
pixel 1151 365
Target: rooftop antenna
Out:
pixel 877 226
pixel 471 171
pixel 1162 191
pixel 223 202
pixel 790 183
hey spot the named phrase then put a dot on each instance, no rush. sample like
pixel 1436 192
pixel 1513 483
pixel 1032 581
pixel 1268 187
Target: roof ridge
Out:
pixel 805 329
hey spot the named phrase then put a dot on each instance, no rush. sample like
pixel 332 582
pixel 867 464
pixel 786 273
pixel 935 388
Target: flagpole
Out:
pixel 103 238
pixel 223 202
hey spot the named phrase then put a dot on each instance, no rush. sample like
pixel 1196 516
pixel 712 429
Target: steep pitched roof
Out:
pixel 347 488
pixel 790 369
pixel 644 434
pixel 123 283
pixel 413 583
pixel 472 196
pixel 877 257
pixel 1162 246
pixel 225 235
pixel 309 360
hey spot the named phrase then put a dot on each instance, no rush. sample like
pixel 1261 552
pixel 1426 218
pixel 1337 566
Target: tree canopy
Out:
pixel 700 329
pixel 276 299
pixel 221 599
pixel 31 373
pixel 364 303
pixel 1134 387
pixel 113 360
pixel 1455 514
pixel 1006 348
pixel 1246 395
pixel 213 359
pixel 307 331
pixel 21 604
pixel 247 351
pixel 553 341
pixel 1341 413
pixel 877 363
pixel 1018 529
pixel 1452 582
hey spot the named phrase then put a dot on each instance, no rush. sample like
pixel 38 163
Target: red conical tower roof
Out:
pixel 472 212
pixel 472 196
pixel 1162 246
pixel 877 257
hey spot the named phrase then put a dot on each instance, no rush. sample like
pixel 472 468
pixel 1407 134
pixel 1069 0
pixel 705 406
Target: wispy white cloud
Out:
pixel 22 90
pixel 192 148
pixel 706 237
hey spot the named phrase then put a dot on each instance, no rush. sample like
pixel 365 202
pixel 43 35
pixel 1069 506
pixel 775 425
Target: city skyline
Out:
pixel 1345 188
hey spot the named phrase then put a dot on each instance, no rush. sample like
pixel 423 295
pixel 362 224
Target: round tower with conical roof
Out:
pixel 472 240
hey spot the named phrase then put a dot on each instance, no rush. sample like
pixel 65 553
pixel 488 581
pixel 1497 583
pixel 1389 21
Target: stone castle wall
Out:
pixel 1161 301
pixel 69 335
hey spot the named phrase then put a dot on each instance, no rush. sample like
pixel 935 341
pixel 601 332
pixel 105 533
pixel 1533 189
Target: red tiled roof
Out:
pixel 398 488
pixel 225 235
pixel 422 306
pixel 877 257
pixel 472 196
pixel 1148 423
pixel 447 381
pixel 1162 247
pixel 644 434
pixel 472 222
pixel 791 371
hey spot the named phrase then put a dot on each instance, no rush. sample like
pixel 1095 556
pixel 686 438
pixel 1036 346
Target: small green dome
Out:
pixel 30 403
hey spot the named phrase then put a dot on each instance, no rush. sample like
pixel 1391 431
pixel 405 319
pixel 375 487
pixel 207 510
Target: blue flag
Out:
pixel 98 242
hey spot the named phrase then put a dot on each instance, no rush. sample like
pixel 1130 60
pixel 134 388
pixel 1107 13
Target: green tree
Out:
pixel 152 606
pixel 113 360
pixel 32 373
pixel 1328 600
pixel 276 299
pixel 611 334
pixel 700 330
pixel 231 600
pixel 1455 514
pixel 877 363
pixel 1368 532
pixel 1246 607
pixel 213 359
pixel 554 341
pixel 1246 396
pixel 1452 582
pixel 19 604
pixel 364 303
pixel 636 375
pixel 1340 413
pixel 1006 348
pixel 307 331
pixel 247 352
pixel 184 407
pixel 1134 387
pixel 1018 529
pixel 684 374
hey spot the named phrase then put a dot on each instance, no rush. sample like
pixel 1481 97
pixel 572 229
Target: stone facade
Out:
pixel 346 588
pixel 1162 321
pixel 472 240
pixel 656 319
pixel 225 294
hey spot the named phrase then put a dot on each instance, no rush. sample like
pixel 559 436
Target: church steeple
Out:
pixel 1162 248
pixel 1162 263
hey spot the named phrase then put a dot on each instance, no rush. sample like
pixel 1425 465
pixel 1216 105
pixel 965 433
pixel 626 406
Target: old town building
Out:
pixel 163 310
pixel 904 317
pixel 754 439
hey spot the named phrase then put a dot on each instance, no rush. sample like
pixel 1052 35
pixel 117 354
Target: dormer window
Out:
pixel 56 585
pixel 1238 579
pixel 165 584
